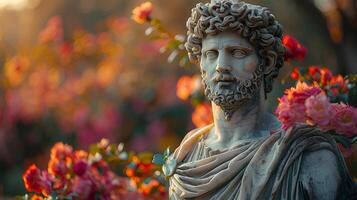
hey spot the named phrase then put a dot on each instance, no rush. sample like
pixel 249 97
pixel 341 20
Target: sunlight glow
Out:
pixel 13 4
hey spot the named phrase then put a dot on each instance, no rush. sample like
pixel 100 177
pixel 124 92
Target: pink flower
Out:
pixel 83 187
pixel 301 92
pixel 80 167
pixel 142 13
pixel 344 119
pixel 318 109
pixel 290 113
pixel 53 31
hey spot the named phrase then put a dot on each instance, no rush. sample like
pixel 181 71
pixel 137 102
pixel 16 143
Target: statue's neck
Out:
pixel 244 124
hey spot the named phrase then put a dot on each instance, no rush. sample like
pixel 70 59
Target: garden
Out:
pixel 95 95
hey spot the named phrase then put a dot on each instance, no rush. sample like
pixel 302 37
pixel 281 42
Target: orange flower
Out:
pixel 301 92
pixel 202 115
pixel 61 159
pixel 15 69
pixel 36 197
pixel 184 87
pixel 107 72
pixel 142 13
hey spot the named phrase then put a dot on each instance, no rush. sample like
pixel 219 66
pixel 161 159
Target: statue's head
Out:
pixel 239 48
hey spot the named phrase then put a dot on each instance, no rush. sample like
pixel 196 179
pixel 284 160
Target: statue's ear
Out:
pixel 270 59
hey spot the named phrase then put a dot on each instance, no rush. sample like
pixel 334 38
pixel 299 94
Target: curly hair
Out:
pixel 252 22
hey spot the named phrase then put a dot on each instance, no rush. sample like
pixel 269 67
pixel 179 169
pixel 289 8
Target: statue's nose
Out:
pixel 223 65
pixel 223 68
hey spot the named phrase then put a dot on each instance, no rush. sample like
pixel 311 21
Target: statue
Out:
pixel 239 49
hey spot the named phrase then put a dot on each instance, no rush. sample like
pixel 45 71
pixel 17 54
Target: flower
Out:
pixel 344 119
pixel 147 188
pixel 202 115
pixel 37 181
pixel 36 197
pixel 53 31
pixel 61 159
pixel 338 85
pixel 83 187
pixel 326 76
pixel 301 92
pixel 186 86
pixel 290 113
pixel 142 13
pixel 294 50
pixel 318 109
pixel 80 167
pixel 15 69
pixel 65 51
pixel 61 151
pixel 295 74
pixel 291 108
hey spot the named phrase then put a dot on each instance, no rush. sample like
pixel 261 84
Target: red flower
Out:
pixel 37 181
pixel 65 51
pixel 295 74
pixel 338 85
pixel 294 50
pixel 80 167
pixel 314 73
pixel 142 13
pixel 326 76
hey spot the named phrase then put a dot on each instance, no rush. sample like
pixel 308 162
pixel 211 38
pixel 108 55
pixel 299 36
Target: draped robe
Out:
pixel 265 168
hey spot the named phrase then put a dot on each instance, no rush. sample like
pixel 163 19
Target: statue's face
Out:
pixel 231 70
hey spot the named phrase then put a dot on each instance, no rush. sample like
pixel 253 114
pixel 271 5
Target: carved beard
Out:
pixel 230 100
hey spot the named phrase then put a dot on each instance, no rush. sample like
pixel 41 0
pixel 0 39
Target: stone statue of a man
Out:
pixel 239 48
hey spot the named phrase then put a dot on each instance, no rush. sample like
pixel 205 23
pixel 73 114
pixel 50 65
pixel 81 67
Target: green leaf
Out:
pixel 167 152
pixel 345 141
pixel 158 159
pixel 54 195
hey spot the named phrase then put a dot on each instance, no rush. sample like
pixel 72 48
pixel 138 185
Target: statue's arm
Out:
pixel 320 175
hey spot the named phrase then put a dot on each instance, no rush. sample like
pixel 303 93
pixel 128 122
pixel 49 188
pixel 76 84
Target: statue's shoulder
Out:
pixel 189 141
pixel 323 172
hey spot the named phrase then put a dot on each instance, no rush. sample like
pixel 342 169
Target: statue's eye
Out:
pixel 239 53
pixel 211 54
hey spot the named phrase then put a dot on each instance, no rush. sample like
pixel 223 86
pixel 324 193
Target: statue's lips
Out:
pixel 226 80
pixel 225 83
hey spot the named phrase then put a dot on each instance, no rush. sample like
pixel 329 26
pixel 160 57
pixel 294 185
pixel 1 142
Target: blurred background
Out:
pixel 79 71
